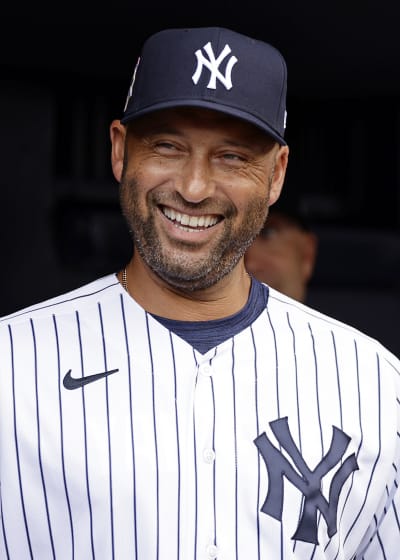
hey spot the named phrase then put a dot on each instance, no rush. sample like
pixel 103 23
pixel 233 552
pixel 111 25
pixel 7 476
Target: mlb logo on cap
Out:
pixel 214 68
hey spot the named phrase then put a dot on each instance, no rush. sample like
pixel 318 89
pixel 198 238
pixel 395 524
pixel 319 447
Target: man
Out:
pixel 180 409
pixel 283 254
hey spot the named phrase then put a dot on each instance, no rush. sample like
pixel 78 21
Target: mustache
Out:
pixel 206 206
pixel 160 197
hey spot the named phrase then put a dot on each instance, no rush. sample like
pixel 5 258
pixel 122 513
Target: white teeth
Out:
pixel 191 221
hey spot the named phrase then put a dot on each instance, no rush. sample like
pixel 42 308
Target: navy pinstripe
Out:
pixel 296 377
pixel 38 440
pixel 358 449
pixel 16 443
pixel 128 358
pixel 177 448
pixel 108 434
pixel 316 388
pixel 258 505
pixel 196 499
pixel 155 439
pixel 85 439
pixel 62 438
pixel 376 459
pixel 338 379
pixel 235 440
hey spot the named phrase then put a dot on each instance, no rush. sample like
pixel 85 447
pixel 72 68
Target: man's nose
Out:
pixel 196 182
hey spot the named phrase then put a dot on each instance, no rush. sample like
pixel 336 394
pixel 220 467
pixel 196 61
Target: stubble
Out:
pixel 182 268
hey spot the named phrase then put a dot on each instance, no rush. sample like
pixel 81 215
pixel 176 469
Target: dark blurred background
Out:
pixel 65 77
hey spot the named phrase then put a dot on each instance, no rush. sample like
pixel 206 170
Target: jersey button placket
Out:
pixel 204 424
pixel 209 456
pixel 206 370
pixel 212 551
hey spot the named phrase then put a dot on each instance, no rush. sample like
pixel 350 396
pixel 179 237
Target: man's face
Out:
pixel 195 190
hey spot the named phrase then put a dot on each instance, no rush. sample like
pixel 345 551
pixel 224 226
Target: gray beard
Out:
pixel 181 271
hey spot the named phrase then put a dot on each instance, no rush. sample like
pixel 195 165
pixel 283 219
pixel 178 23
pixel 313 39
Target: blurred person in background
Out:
pixel 283 254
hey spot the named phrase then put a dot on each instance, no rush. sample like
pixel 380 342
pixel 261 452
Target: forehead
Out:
pixel 201 119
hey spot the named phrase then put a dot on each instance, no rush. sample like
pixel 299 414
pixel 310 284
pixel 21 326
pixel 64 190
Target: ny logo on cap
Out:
pixel 213 64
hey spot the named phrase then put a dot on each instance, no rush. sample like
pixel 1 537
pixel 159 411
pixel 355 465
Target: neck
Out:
pixel 225 298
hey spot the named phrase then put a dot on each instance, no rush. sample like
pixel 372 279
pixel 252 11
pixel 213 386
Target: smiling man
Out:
pixel 195 191
pixel 179 409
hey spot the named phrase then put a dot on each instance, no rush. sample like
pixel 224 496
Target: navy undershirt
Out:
pixel 204 335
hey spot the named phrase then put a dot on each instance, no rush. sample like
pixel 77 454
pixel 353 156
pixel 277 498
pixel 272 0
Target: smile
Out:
pixel 190 223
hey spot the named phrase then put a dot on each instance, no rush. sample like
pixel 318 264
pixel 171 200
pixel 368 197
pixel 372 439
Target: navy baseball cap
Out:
pixel 214 68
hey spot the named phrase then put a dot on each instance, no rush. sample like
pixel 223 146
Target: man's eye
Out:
pixel 165 146
pixel 233 157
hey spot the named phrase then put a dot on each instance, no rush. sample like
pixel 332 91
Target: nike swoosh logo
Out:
pixel 70 382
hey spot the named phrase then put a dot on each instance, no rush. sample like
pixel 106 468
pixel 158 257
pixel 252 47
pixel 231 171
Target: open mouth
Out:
pixel 190 223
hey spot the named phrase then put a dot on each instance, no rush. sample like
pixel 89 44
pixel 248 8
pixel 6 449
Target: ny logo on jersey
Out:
pixel 308 481
pixel 213 65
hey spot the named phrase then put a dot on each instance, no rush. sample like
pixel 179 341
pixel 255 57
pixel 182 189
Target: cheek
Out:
pixel 246 193
pixel 137 182
pixel 142 162
pixel 133 196
pixel 155 165
pixel 256 181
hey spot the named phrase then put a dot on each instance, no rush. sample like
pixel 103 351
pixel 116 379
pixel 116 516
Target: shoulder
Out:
pixel 71 301
pixel 307 322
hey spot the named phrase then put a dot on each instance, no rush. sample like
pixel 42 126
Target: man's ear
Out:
pixel 281 161
pixel 117 137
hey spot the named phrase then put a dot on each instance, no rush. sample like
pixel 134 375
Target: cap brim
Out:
pixel 233 111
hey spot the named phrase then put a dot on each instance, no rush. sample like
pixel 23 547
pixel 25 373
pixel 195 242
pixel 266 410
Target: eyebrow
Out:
pixel 261 142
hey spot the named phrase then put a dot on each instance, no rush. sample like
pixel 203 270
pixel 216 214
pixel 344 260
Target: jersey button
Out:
pixel 209 456
pixel 212 551
pixel 206 369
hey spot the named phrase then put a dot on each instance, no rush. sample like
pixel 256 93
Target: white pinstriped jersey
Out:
pixel 280 443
